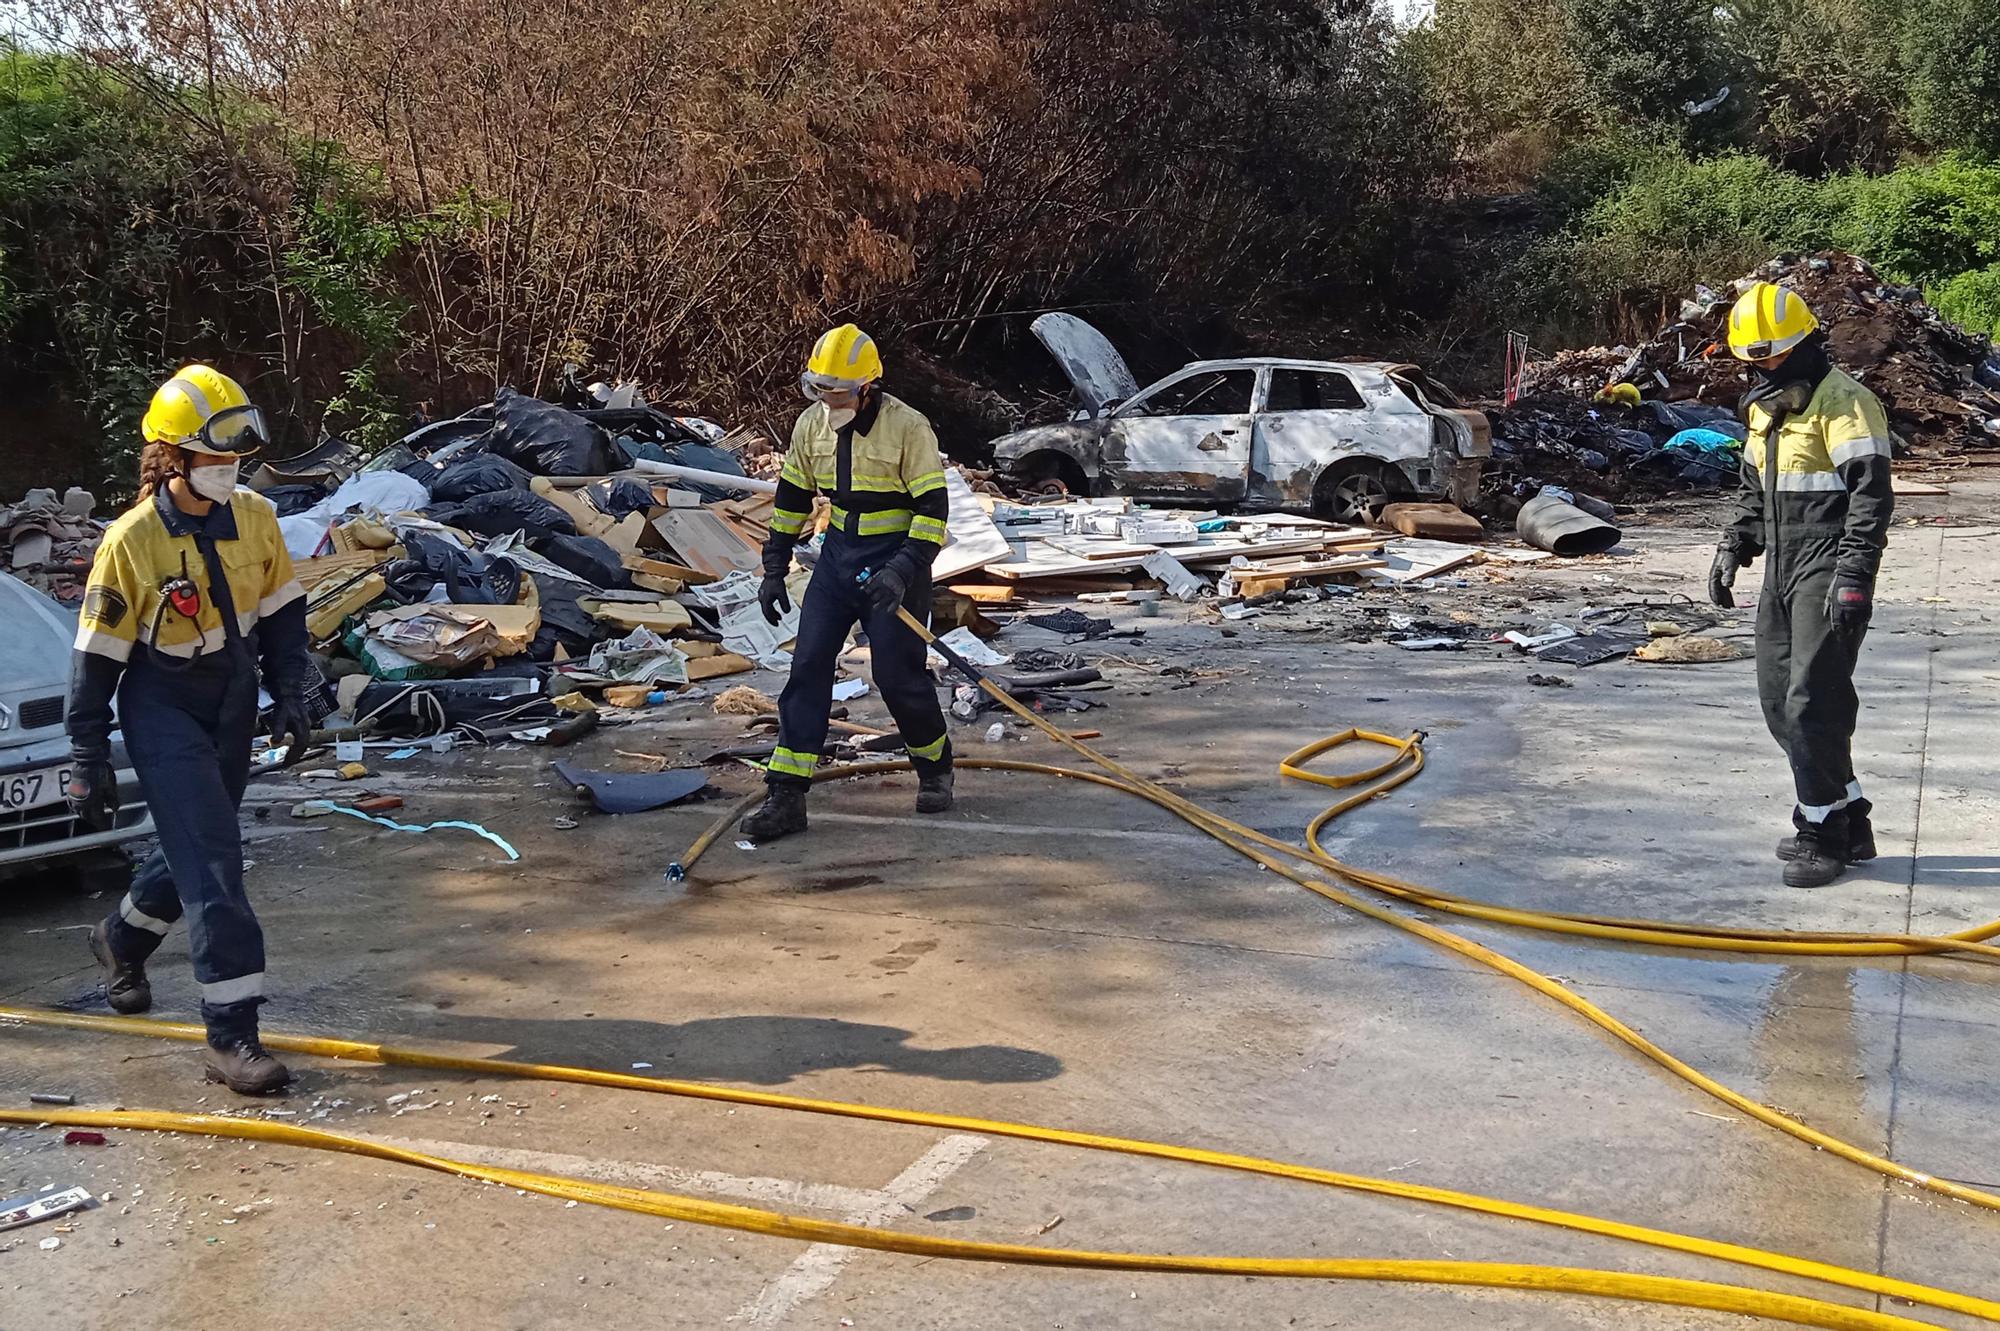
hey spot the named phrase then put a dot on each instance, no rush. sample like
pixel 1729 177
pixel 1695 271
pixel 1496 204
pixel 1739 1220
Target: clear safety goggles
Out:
pixel 233 430
pixel 820 387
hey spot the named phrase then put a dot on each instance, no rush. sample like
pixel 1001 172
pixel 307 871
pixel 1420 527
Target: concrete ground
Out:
pixel 1066 955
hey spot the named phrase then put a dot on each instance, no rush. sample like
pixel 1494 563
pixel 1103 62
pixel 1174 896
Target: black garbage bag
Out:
pixel 503 512
pixel 563 621
pixel 473 474
pixel 548 440
pixel 469 577
pixel 620 497
pixel 292 500
pixel 585 556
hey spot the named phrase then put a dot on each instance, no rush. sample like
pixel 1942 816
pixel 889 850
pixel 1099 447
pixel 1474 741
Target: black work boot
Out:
pixel 1860 836
pixel 1819 852
pixel 125 985
pixel 241 1063
pixel 782 813
pixel 934 789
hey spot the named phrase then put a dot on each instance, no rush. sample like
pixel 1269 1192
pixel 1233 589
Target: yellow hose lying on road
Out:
pixel 1265 850
pixel 1401 766
pixel 671 1206
pixel 393 1056
pixel 1408 759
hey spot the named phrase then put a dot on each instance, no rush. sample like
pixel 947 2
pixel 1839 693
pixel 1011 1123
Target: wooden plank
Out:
pixel 1413 560
pixel 1262 584
pixel 985 593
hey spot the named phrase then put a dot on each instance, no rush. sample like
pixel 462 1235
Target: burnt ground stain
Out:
pixel 904 957
pixel 838 883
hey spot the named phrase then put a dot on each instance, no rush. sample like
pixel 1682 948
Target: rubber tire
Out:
pixel 1048 465
pixel 1354 493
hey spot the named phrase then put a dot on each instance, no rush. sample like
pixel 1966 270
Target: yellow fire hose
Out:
pixel 393 1056
pixel 1404 763
pixel 1496 1275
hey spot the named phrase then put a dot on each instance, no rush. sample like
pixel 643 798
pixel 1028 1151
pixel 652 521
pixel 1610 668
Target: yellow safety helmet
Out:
pixel 841 362
pixel 204 410
pixel 1768 320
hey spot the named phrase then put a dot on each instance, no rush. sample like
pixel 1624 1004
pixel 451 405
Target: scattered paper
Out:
pixel 967 644
pixel 847 690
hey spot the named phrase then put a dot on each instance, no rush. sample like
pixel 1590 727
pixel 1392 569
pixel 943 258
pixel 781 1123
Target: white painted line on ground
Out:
pixel 819 1266
pixel 779 1192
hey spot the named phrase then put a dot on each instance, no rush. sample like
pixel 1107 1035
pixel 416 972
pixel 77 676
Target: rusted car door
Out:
pixel 1186 438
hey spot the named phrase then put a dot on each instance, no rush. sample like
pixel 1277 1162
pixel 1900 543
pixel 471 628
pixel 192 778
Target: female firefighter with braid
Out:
pixel 876 459
pixel 191 590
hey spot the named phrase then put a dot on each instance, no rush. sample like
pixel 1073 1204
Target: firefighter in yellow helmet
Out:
pixel 876 460
pixel 1816 503
pixel 191 593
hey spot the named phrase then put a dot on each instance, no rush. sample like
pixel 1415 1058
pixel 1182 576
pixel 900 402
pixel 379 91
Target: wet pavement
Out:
pixel 1063 954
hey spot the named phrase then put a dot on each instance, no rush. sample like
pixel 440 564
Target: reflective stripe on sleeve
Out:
pixel 1805 482
pixel 924 484
pixel 786 522
pixel 1856 449
pixel 104 644
pixel 280 598
pixel 924 528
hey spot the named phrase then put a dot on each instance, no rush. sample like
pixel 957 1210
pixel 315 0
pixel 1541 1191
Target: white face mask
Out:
pixel 215 482
pixel 840 417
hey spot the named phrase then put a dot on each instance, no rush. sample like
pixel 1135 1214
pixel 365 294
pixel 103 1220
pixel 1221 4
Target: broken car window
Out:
pixel 1312 390
pixel 1208 393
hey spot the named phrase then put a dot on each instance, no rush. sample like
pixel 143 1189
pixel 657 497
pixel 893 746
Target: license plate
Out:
pixel 31 790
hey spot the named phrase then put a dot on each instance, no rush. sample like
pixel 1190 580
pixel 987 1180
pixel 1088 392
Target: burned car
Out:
pixel 1336 439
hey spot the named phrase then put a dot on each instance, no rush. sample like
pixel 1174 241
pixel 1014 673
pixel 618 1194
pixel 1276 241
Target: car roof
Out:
pixel 1290 363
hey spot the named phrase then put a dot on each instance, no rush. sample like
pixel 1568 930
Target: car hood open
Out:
pixel 1100 375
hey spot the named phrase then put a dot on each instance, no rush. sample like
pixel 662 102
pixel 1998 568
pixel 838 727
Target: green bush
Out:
pixel 1922 224
pixel 1971 300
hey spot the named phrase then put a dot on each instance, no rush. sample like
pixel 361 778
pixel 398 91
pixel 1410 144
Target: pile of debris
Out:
pixel 1611 420
pixel 48 541
pixel 500 572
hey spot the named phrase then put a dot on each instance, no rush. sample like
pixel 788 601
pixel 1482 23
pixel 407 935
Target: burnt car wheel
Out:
pixel 1354 493
pixel 1051 473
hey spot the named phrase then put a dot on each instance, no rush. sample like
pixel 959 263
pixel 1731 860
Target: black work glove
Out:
pixel 888 585
pixel 291 725
pixel 93 794
pixel 1722 576
pixel 1850 600
pixel 773 598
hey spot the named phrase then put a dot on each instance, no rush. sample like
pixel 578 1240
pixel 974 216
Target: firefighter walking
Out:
pixel 1815 504
pixel 876 460
pixel 190 595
